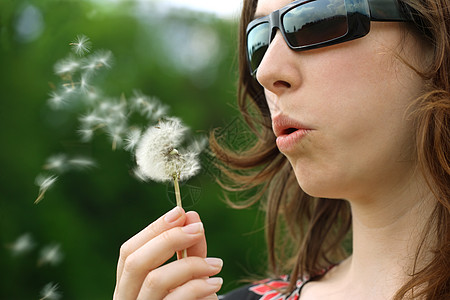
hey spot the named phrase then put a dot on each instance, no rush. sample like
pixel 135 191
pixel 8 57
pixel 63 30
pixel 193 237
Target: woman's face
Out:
pixel 352 102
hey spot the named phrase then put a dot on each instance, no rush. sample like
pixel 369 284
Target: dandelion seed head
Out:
pixel 51 255
pixel 22 244
pixel 81 45
pixel 157 156
pixel 50 292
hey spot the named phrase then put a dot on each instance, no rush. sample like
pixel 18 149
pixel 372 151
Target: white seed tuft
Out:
pixel 158 157
pixel 50 255
pixel 81 45
pixel 50 292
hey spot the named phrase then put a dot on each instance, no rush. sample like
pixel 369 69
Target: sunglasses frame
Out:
pixel 359 15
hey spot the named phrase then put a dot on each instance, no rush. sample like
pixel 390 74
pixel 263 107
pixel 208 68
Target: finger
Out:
pixel 196 289
pixel 198 249
pixel 161 281
pixel 153 254
pixel 173 218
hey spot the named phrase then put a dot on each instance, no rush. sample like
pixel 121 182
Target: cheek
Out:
pixel 365 136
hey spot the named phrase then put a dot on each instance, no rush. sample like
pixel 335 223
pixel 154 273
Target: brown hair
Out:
pixel 310 231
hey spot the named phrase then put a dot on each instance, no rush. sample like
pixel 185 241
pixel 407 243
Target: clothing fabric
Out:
pixel 269 289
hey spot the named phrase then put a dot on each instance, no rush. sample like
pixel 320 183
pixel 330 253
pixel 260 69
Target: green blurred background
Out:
pixel 185 58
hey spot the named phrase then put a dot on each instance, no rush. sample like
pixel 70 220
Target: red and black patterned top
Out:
pixel 269 289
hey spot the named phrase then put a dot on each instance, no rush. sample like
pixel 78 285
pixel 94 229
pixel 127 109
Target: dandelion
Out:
pixel 50 292
pixel 44 183
pixel 158 158
pixel 22 244
pixel 81 45
pixel 51 255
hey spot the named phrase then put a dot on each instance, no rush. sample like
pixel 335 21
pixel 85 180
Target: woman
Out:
pixel 353 136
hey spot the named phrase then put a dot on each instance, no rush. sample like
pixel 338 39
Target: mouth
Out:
pixel 289 133
pixel 283 125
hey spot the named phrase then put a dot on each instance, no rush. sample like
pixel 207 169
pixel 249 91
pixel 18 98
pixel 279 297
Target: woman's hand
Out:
pixel 142 274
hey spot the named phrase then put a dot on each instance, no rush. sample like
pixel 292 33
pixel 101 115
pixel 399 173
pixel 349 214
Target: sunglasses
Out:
pixel 311 24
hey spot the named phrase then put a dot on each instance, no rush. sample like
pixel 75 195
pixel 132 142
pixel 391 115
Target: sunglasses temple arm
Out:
pixel 387 10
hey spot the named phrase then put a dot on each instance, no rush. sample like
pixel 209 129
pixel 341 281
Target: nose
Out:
pixel 278 71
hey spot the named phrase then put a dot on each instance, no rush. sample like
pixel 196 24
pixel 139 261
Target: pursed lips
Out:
pixel 284 125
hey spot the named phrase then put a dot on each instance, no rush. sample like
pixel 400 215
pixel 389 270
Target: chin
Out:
pixel 320 186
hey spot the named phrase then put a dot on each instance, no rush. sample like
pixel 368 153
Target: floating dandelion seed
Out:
pixel 84 83
pixel 57 163
pixel 67 66
pixel 81 45
pixel 56 100
pixel 44 183
pixel 100 59
pixel 86 135
pixel 81 162
pixel 116 133
pixel 22 244
pixel 132 139
pixel 51 255
pixel 50 292
pixel 91 119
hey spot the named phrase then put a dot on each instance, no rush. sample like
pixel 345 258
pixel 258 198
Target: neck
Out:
pixel 387 233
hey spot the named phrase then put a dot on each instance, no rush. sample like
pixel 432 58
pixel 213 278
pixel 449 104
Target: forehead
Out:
pixel 265 7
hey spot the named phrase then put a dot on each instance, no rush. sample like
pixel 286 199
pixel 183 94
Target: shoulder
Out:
pixel 271 289
pixel 264 290
pixel 242 293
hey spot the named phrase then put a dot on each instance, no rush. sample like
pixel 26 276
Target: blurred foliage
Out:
pixel 184 58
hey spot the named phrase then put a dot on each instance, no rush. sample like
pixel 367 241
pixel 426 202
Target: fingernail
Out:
pixel 214 281
pixel 193 228
pixel 214 262
pixel 173 215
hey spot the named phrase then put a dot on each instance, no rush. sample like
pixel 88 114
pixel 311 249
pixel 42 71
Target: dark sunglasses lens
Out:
pixel 257 43
pixel 315 22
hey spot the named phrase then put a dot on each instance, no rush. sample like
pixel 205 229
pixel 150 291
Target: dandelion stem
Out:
pixel 177 191
pixel 183 253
